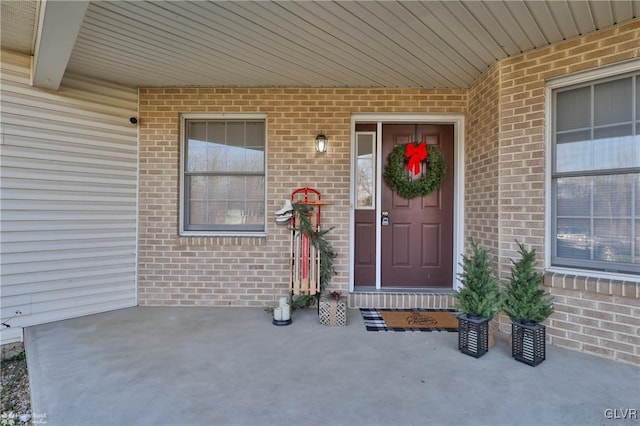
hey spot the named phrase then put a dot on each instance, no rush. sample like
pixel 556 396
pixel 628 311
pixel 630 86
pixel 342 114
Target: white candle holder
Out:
pixel 286 312
pixel 277 314
pixel 282 314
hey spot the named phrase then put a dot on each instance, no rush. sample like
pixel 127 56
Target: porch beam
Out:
pixel 58 27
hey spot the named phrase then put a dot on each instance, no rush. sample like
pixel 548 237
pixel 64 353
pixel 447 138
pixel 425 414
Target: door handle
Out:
pixel 385 219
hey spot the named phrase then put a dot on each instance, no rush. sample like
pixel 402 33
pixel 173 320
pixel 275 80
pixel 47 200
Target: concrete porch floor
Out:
pixel 231 366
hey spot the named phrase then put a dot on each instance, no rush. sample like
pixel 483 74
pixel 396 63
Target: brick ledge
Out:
pixel 184 241
pixel 605 286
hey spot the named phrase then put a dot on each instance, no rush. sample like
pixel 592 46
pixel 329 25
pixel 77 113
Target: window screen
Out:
pixel 224 175
pixel 596 175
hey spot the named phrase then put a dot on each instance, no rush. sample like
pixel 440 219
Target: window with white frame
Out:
pixel 595 175
pixel 365 179
pixel 223 174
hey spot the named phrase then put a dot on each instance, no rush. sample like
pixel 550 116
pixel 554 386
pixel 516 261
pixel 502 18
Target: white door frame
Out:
pixel 458 121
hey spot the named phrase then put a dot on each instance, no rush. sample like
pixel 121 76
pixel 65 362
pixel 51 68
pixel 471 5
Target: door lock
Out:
pixel 385 219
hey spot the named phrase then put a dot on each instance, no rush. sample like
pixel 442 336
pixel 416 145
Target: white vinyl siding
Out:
pixel 69 198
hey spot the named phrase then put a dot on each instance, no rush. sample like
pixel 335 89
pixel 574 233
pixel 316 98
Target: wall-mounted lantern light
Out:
pixel 321 143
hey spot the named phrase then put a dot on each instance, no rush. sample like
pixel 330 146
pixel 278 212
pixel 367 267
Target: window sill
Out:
pixel 227 239
pixel 627 286
pixel 586 273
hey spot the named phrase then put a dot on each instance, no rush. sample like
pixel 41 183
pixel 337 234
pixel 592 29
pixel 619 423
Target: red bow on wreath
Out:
pixel 416 155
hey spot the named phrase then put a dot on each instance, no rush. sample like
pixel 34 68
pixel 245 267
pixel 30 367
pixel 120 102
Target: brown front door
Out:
pixel 417 245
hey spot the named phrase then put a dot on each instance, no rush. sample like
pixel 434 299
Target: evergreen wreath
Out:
pixel 397 178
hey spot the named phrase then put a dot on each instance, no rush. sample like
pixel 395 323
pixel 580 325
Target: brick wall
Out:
pixel 595 315
pixel 175 270
pixel 481 158
pixel 505 188
pixel 522 126
pixel 580 310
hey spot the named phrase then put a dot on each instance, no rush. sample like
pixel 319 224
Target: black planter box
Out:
pixel 473 335
pixel 528 342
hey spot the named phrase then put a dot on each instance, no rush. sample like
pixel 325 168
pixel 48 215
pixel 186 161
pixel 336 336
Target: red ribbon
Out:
pixel 416 155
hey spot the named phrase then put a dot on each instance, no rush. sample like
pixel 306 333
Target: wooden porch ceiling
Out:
pixel 431 44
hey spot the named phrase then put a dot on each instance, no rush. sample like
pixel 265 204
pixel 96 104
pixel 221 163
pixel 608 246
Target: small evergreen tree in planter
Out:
pixel 479 301
pixel 527 305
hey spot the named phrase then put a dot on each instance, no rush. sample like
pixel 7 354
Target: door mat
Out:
pixel 409 319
